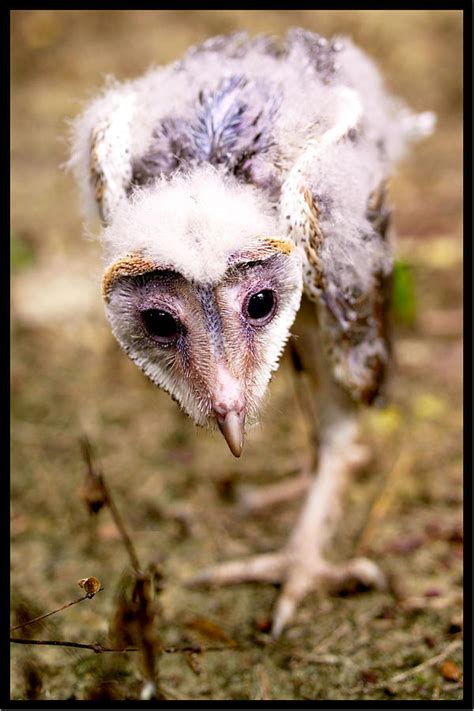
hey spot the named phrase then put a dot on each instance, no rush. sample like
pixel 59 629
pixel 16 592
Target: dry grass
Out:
pixel 69 378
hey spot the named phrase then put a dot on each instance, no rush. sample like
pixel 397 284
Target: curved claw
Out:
pixel 284 611
pixel 298 577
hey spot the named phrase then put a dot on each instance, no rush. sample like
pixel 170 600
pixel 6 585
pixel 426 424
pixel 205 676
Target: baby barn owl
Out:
pixel 242 194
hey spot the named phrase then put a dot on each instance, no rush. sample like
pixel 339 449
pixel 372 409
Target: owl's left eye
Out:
pixel 261 307
pixel 161 325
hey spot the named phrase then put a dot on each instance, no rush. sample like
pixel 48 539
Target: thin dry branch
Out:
pixel 148 638
pixel 100 482
pixel 98 648
pixel 127 541
pixel 428 663
pixel 87 596
pixel 95 646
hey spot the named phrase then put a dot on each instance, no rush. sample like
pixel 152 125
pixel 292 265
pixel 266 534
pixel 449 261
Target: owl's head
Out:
pixel 201 293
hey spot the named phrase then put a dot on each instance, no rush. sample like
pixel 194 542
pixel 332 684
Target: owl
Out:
pixel 242 194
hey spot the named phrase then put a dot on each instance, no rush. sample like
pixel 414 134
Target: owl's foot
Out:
pixel 251 499
pixel 297 575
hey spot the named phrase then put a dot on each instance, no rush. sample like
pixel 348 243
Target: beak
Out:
pixel 232 427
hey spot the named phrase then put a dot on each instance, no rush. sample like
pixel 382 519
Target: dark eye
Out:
pixel 261 306
pixel 161 324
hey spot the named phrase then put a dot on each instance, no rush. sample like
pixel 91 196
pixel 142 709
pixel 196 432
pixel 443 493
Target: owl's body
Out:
pixel 231 184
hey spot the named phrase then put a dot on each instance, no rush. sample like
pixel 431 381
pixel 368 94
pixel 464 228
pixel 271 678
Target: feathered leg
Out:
pixel 306 566
pixel 301 565
pixel 251 499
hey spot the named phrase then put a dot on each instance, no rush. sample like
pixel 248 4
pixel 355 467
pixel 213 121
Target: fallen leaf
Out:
pixel 450 671
pixel 92 492
pixel 369 676
pixel 263 624
pixel 92 495
pixel 210 630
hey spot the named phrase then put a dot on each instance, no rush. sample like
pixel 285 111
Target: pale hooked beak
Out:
pixel 232 427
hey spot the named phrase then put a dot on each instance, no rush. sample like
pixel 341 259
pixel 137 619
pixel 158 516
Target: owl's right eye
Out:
pixel 161 325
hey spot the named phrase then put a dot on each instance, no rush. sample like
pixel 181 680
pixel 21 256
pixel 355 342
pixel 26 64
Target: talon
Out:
pixel 298 578
pixel 285 610
pixel 368 573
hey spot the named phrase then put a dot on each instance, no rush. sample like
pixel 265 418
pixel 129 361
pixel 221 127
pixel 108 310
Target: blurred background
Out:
pixel 69 378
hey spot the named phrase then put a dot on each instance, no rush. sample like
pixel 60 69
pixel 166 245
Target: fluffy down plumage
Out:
pixel 292 138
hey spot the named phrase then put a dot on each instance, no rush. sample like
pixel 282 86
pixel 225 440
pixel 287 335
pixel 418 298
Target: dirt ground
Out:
pixel 176 486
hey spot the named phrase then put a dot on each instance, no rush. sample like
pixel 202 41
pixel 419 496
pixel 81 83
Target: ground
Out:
pixel 175 486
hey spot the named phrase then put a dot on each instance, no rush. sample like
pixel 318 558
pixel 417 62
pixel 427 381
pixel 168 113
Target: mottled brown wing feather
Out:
pixel 356 324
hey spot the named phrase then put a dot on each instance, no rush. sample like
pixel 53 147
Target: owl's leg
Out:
pixel 301 565
pixel 306 567
pixel 252 499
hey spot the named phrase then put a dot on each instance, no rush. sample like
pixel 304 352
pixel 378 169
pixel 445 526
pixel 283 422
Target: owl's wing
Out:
pixel 347 278
pixel 101 156
pixel 116 146
pixel 355 316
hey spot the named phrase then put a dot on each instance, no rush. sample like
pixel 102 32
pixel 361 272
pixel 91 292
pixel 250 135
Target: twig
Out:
pixel 127 541
pixel 400 469
pixel 87 596
pixel 333 636
pixel 330 659
pixel 197 649
pixel 148 639
pixel 99 477
pixel 95 646
pixel 98 648
pixel 429 662
pixel 341 630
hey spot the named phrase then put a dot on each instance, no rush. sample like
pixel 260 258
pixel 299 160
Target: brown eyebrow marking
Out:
pixel 269 247
pixel 279 245
pixel 130 265
pixel 135 264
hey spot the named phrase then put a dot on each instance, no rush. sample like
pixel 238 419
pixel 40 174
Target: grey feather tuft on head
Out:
pixel 230 126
